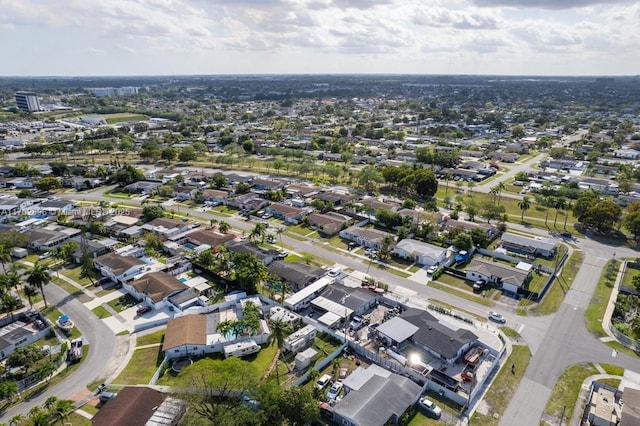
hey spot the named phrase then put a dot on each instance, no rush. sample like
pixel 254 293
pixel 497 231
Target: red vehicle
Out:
pixel 143 310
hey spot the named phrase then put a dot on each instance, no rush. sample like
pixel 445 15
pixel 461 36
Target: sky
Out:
pixel 173 37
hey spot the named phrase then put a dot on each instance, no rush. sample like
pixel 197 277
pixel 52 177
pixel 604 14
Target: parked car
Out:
pixel 478 285
pixel 343 372
pixel 323 381
pixel 429 408
pixel 107 396
pixel 334 391
pixel 494 316
pixel 142 310
pixel 566 235
pixel 432 270
pixel 45 255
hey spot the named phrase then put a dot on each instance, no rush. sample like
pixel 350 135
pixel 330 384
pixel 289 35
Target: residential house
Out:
pixel 301 191
pixel 140 406
pixel 337 198
pixel 10 206
pixel 296 275
pixel 186 336
pixel 517 147
pixel 93 249
pixel 372 205
pixel 144 187
pixel 264 255
pixel 50 236
pixel 250 201
pixel 154 288
pixel 22 183
pixel 506 277
pixel 545 247
pixel 81 183
pixel 266 185
pixel 422 253
pixel 208 237
pixel 328 224
pixel 490 230
pixel 424 330
pixel 119 268
pixel 343 301
pixel 167 228
pixel 25 328
pixel 604 406
pixel 291 215
pixel 629 154
pixel 56 207
pixel 215 196
pixel 184 192
pixel 366 237
pixel 375 397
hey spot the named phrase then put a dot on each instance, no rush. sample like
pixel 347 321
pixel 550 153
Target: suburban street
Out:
pixel 102 343
pixel 556 341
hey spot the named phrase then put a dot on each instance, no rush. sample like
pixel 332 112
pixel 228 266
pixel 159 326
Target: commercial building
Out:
pixel 27 101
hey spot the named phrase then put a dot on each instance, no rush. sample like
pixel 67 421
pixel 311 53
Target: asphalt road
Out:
pixel 101 342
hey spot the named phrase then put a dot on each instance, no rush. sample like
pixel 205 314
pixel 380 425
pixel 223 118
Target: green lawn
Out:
pixel 123 302
pixel 595 311
pixel 394 271
pixel 299 229
pixel 123 116
pixel 565 393
pixel 150 339
pixel 142 367
pixel 101 312
pixel 462 294
pixel 614 370
pixel 504 386
pixel 69 288
pixel 74 274
pixel 614 383
pixel 555 295
pixel 52 313
pixel 325 344
pixel 510 332
pixel 537 281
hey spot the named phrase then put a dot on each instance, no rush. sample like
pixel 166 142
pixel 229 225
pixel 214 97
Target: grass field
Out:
pixel 614 370
pixel 595 311
pixel 462 294
pixel 101 312
pixel 123 116
pixel 565 393
pixel 555 295
pixel 504 386
pixel 150 339
pixel 141 368
pixel 74 274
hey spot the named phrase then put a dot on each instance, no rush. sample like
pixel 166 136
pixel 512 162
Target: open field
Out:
pixel 602 294
pixel 123 117
pixel 565 393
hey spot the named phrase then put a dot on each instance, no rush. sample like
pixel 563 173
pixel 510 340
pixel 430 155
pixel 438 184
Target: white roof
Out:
pixel 329 319
pixel 524 266
pixel 331 306
pixel 308 291
pixel 195 281
pixel 418 248
pixel 397 329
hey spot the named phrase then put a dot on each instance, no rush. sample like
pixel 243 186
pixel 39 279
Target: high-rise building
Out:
pixel 27 101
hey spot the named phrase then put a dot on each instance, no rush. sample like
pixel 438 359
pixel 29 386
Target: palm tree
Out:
pixel 494 192
pixel 279 331
pixel 447 178
pixel 63 408
pixel 470 185
pixel 258 231
pixel 568 207
pixel 30 292
pixel 313 375
pixel 212 223
pixel 38 278
pixel 88 269
pixel 524 204
pixel 560 204
pixel 224 327
pixel 5 256
pixel 279 233
pixel 16 420
pixel 224 227
pixel 548 201
pixel 10 303
pixel 500 186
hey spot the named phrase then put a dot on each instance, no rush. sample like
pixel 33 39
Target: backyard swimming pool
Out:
pixel 182 279
pixel 190 246
pixel 147 260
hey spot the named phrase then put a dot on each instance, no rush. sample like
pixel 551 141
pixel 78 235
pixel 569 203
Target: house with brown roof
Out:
pixel 291 215
pixel 155 288
pixel 215 195
pixel 328 224
pixel 140 406
pixel 184 192
pixel 208 237
pixel 119 268
pixel 186 336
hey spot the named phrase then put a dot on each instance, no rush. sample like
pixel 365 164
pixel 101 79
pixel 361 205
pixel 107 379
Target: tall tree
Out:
pixel 38 277
pixel 524 205
pixel 559 204
pixel 5 256
pixel 279 332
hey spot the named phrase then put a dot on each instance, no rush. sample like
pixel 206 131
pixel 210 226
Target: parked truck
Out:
pixel 75 351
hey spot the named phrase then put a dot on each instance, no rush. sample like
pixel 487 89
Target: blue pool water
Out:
pixel 40 216
pixel 230 336
pixel 147 260
pixel 183 279
pixel 190 246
